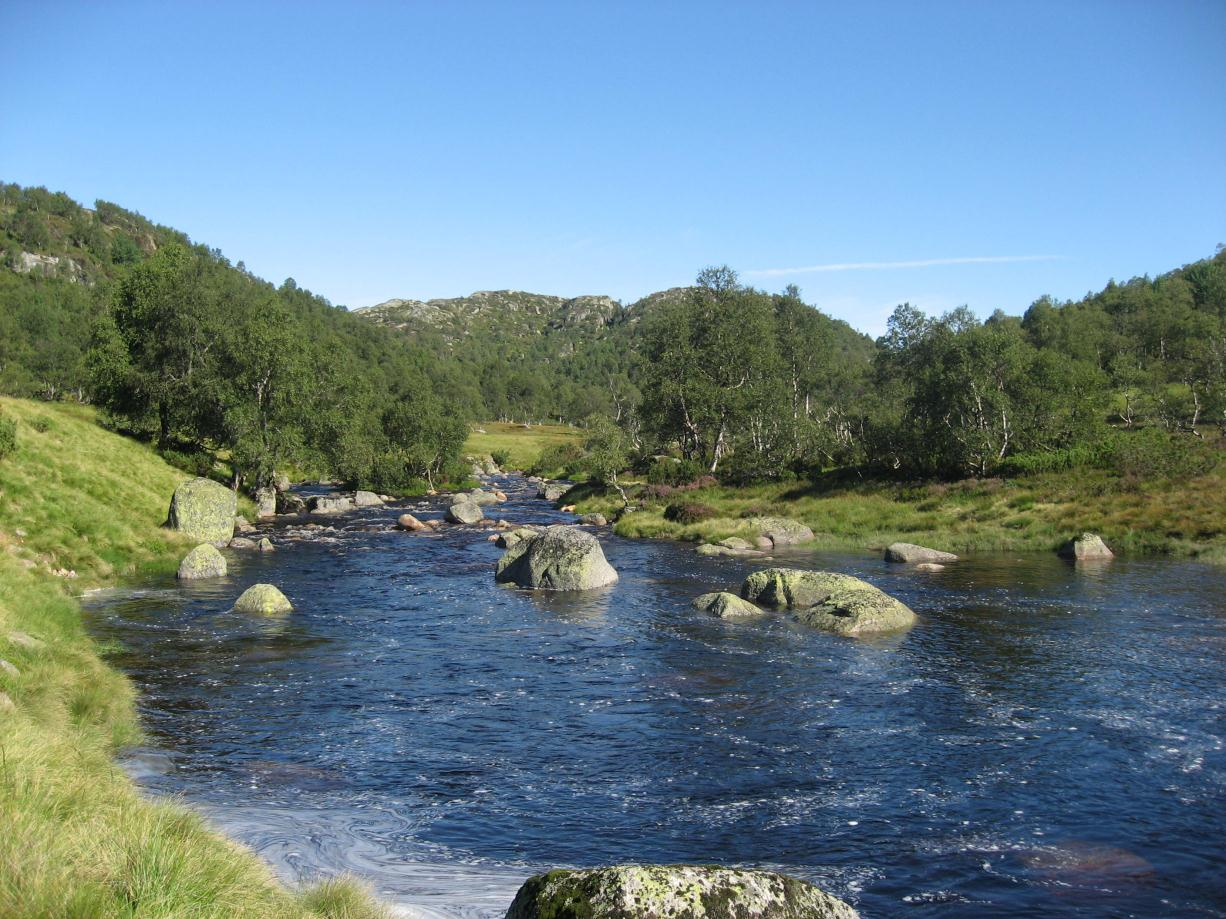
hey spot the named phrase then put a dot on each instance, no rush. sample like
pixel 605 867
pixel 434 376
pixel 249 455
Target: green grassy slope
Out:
pixel 81 507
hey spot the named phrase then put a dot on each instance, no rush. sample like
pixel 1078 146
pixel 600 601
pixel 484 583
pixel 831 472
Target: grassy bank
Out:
pixel 79 508
pixel 523 446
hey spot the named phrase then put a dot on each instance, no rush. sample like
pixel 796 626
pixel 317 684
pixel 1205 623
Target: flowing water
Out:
pixel 1048 740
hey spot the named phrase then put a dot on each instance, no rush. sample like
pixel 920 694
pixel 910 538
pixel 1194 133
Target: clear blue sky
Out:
pixel 377 150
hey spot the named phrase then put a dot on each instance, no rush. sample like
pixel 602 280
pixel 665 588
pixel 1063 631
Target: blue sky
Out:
pixel 942 153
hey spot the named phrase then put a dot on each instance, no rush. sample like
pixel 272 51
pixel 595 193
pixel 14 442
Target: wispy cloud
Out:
pixel 917 263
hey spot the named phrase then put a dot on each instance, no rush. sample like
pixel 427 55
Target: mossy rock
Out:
pixel 263 600
pixel 911 554
pixel 726 605
pixel 203 510
pixel 827 600
pixel 1085 546
pixel 559 558
pixel 781 531
pixel 204 561
pixel 673 892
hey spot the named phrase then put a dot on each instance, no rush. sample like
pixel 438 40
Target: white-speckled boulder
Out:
pixel 673 892
pixel 204 561
pixel 263 600
pixel 911 554
pixel 827 600
pixel 726 605
pixel 559 558
pixel 1086 546
pixel 203 510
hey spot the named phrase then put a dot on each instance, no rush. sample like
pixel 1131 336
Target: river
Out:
pixel 1048 739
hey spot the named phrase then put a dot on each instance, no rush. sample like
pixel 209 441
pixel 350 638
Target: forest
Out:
pixel 181 347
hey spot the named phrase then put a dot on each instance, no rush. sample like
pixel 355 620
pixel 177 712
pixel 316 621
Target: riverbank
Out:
pixel 81 508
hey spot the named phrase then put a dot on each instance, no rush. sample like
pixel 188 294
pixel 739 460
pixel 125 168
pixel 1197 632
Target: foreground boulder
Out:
pixel 465 512
pixel 911 554
pixel 1087 545
pixel 203 510
pixel 781 531
pixel 673 892
pixel 330 504
pixel 204 561
pixel 559 558
pixel 837 603
pixel 726 605
pixel 263 600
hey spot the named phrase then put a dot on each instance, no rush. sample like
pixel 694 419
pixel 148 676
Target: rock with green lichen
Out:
pixel 203 510
pixel 673 892
pixel 204 561
pixel 263 600
pixel 781 531
pixel 726 605
pixel 1085 546
pixel 827 600
pixel 559 558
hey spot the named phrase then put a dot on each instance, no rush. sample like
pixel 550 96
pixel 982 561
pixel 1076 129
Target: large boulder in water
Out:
pixel 330 504
pixel 726 605
pixel 465 512
pixel 266 502
pixel 204 561
pixel 203 510
pixel 781 531
pixel 559 558
pixel 263 600
pixel 912 554
pixel 826 600
pixel 673 892
pixel 367 499
pixel 553 491
pixel 1085 546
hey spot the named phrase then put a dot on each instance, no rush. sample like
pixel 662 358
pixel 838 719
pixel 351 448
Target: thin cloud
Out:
pixel 917 263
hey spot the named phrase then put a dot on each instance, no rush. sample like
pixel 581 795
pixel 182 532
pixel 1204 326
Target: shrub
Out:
pixel 41 423
pixel 196 463
pixel 501 458
pixel 558 458
pixel 1153 453
pixel 8 436
pixel 689 512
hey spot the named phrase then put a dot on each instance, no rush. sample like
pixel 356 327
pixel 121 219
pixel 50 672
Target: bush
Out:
pixel 41 423
pixel 501 458
pixel 561 458
pixel 196 463
pixel 667 471
pixel 8 436
pixel 689 512
pixel 1152 453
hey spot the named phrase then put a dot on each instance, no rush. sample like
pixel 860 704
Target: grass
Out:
pixel 523 446
pixel 81 507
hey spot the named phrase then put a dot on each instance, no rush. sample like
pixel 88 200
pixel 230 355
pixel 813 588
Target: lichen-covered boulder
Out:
pixel 594 520
pixel 827 600
pixel 330 504
pixel 280 481
pixel 366 499
pixel 515 536
pixel 673 892
pixel 1085 546
pixel 203 510
pixel 726 605
pixel 553 491
pixel 465 512
pixel 559 558
pixel 735 542
pixel 204 561
pixel 781 531
pixel 263 600
pixel 911 554
pixel 266 502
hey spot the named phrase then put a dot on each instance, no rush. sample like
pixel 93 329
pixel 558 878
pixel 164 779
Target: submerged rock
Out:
pixel 204 561
pixel 929 566
pixel 781 531
pixel 465 512
pixel 1087 545
pixel 826 600
pixel 673 892
pixel 263 600
pixel 712 551
pixel 726 605
pixel 560 558
pixel 910 553
pixel 203 510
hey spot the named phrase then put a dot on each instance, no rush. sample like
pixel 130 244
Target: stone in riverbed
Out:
pixel 513 537
pixel 838 603
pixel 735 542
pixel 712 551
pixel 410 523
pixel 242 526
pixel 465 512
pixel 560 558
pixel 289 503
pixel 929 566
pixel 263 600
pixel 479 497
pixel 726 605
pixel 781 531
pixel 330 504
pixel 594 520
pixel 366 499
pixel 242 542
pixel 203 510
pixel 553 491
pixel 673 892
pixel 265 545
pixel 1085 546
pixel 204 561
pixel 266 502
pixel 910 553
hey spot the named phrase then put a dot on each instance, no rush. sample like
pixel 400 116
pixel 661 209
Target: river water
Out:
pixel 1048 740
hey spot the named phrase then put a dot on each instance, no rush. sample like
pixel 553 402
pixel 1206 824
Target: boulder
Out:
pixel 781 531
pixel 330 504
pixel 266 502
pixel 1085 546
pixel 559 558
pixel 912 554
pixel 263 600
pixel 594 520
pixel 673 892
pixel 735 542
pixel 476 471
pixel 204 561
pixel 242 526
pixel 265 545
pixel 280 481
pixel 929 566
pixel 366 499
pixel 534 480
pixel 242 542
pixel 465 512
pixel 480 498
pixel 289 503
pixel 552 491
pixel 9 669
pixel 712 551
pixel 203 510
pixel 512 537
pixel 29 642
pixel 726 605
pixel 826 600
pixel 410 523
pixel 764 542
